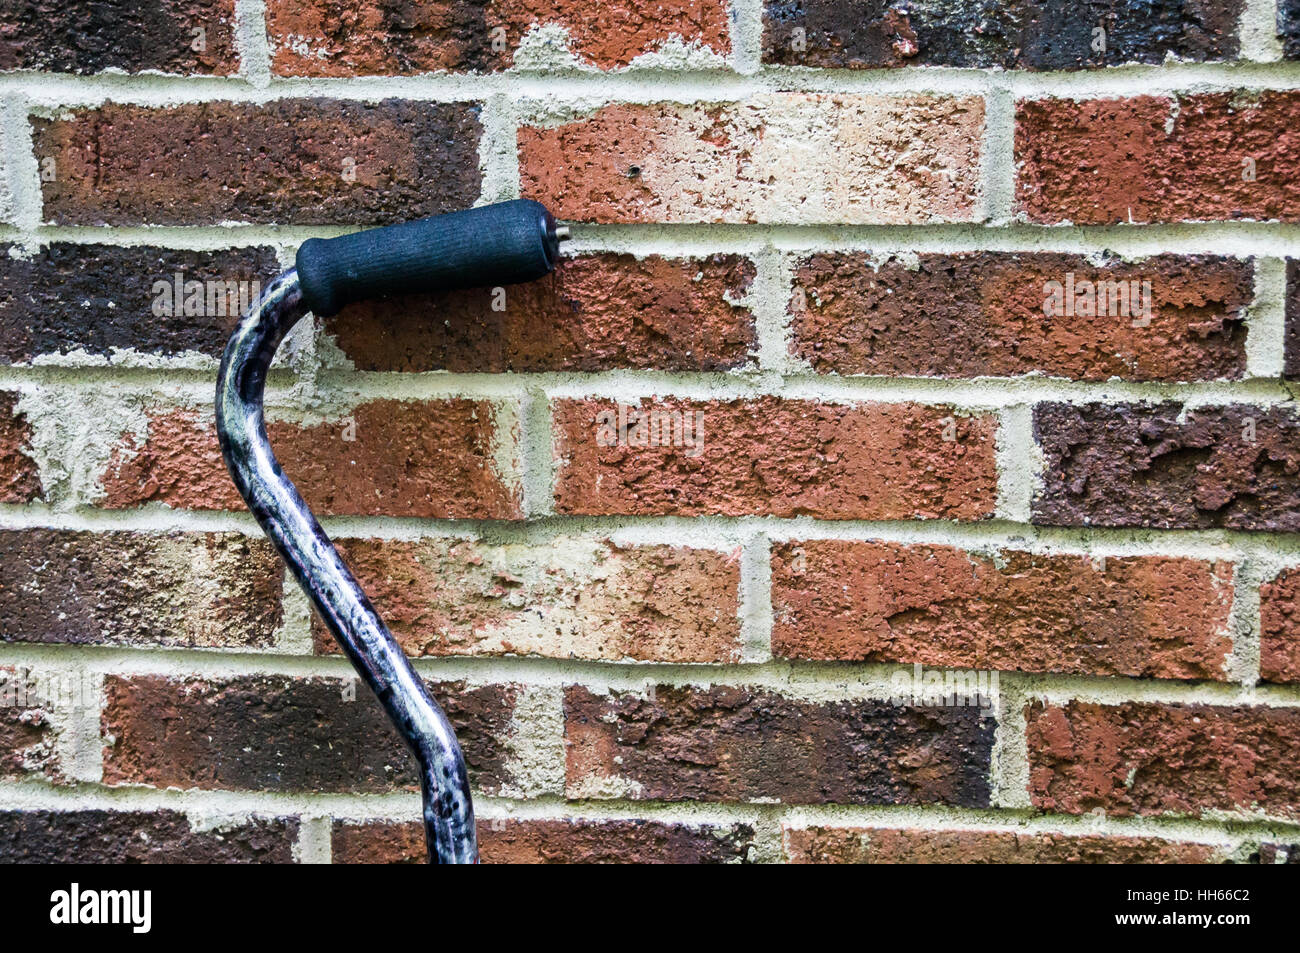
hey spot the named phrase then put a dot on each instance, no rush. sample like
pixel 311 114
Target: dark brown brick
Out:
pixel 1158 465
pixel 1159 159
pixel 983 314
pixel 270 733
pixel 20 479
pixel 104 298
pixel 1136 616
pixel 568 841
pixel 289 161
pixel 883 845
pixel 1288 28
pixel 130 35
pixel 745 744
pixel 594 313
pixel 210 589
pixel 1020 34
pixel 141 837
pixel 1154 758
pixel 1291 359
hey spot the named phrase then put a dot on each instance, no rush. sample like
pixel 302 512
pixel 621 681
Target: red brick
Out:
pixel 20 479
pixel 570 598
pixel 1136 616
pixel 318 38
pixel 272 733
pixel 567 841
pixel 799 158
pixel 983 314
pixel 883 845
pixel 436 458
pixel 113 588
pixel 594 313
pixel 142 837
pixel 769 456
pixel 288 161
pixel 56 36
pixel 749 744
pixel 1279 624
pixel 28 734
pixel 1154 758
pixel 1159 159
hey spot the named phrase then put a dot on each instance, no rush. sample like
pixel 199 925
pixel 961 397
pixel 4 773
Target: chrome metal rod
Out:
pixel 241 428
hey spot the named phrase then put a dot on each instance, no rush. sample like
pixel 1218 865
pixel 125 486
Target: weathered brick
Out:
pixel 127 35
pixel 271 733
pixel 783 158
pixel 1288 28
pixel 1166 466
pixel 436 458
pixel 1021 34
pixel 883 845
pixel 1291 345
pixel 769 456
pixel 20 478
pixel 1279 625
pixel 1181 318
pixel 1153 758
pixel 141 837
pixel 103 299
pixel 209 589
pixel 288 161
pixel 28 737
pixel 571 598
pixel 320 38
pixel 1159 159
pixel 748 744
pixel 567 841
pixel 1136 616
pixel 594 313
pixel 1277 854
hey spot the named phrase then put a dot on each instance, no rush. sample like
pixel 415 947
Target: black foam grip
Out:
pixel 492 245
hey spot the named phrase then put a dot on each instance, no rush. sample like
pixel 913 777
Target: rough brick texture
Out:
pixel 882 845
pixel 209 589
pixel 745 744
pixel 171 36
pixel 784 158
pixel 564 599
pixel 105 299
pixel 290 161
pixel 595 313
pixel 20 478
pixel 373 37
pixel 1291 358
pixel 386 457
pixel 1169 317
pixel 1148 758
pixel 1279 625
pixel 1022 34
pixel 1166 466
pixel 141 837
pixel 270 733
pixel 1152 617
pixel 769 456
pixel 1288 28
pixel 28 734
pixel 570 841
pixel 1159 159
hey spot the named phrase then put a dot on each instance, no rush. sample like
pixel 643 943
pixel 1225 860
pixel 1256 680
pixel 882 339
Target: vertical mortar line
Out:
pixel 769 302
pixel 746 18
pixel 314 844
pixel 998 165
pixel 84 726
pixel 1019 463
pixel 21 162
pixel 251 42
pixel 769 840
pixel 536 456
pixel 498 149
pixel 1257 29
pixel 755 599
pixel 1266 321
pixel 1009 764
pixel 294 636
pixel 1244 619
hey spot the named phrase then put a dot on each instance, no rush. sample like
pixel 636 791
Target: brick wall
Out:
pixel 835 397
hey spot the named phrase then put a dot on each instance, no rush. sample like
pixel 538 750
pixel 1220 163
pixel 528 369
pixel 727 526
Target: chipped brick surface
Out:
pixel 20 478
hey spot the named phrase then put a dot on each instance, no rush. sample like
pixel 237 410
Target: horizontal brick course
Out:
pixel 562 598
pixel 1180 318
pixel 747 744
pixel 596 312
pixel 782 158
pixel 289 161
pixel 769 456
pixel 1138 616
